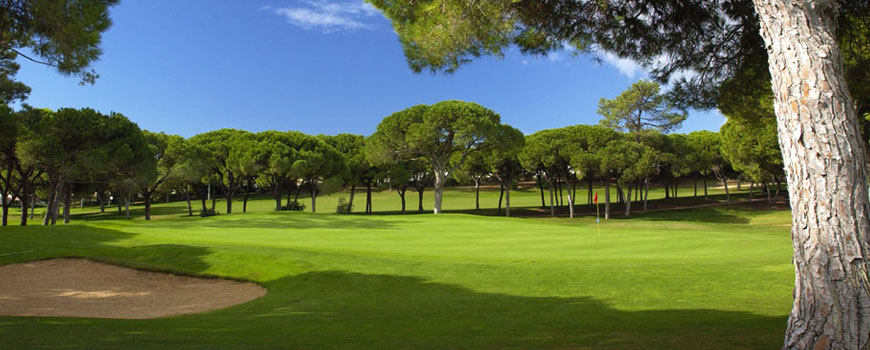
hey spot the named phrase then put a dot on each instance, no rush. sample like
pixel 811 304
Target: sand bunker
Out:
pixel 83 288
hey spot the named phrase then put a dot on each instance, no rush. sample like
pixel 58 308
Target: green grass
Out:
pixel 708 278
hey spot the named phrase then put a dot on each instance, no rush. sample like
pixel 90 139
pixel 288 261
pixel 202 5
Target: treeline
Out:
pixel 55 156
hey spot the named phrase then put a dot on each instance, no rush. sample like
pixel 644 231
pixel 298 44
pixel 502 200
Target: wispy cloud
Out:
pixel 327 16
pixel 627 67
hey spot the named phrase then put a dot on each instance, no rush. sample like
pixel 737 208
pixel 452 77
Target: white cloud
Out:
pixel 627 67
pixel 327 16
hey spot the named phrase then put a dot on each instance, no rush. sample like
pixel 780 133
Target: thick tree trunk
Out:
pixel 401 191
pixel 767 188
pixel 738 185
pixel 229 202
pixel 824 160
pixel 276 194
pixel 628 202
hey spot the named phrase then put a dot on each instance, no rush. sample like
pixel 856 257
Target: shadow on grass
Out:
pixel 293 221
pixel 343 310
pixel 99 244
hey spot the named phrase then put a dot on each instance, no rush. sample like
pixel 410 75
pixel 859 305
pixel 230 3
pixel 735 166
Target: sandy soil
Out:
pixel 83 288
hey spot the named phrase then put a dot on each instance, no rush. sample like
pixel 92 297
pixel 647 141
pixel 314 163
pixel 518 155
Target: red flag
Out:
pixel 596 198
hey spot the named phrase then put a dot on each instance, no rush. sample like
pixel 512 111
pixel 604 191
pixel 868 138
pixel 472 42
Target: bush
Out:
pixel 294 206
pixel 343 206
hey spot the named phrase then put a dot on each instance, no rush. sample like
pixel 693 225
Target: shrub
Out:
pixel 294 206
pixel 343 206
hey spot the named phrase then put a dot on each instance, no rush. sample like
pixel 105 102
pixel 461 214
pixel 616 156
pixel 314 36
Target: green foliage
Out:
pixel 640 108
pixel 751 147
pixel 64 34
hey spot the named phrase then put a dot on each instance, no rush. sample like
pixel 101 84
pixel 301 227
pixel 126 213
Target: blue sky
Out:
pixel 323 66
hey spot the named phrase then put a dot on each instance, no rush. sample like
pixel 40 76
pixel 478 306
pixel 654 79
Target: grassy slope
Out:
pixel 712 278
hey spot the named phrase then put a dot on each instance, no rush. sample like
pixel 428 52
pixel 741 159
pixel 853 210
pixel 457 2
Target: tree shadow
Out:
pixel 294 220
pixel 99 244
pixel 344 310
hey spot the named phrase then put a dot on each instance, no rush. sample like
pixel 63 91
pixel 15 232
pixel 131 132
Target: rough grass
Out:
pixel 708 278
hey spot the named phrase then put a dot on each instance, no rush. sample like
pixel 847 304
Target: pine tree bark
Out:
pixel 824 160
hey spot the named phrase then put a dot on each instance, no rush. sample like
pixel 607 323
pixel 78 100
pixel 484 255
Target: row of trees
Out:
pixel 58 155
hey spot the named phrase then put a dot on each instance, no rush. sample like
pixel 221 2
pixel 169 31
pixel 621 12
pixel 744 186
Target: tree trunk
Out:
pixel 440 179
pixel 420 199
pixel 507 200
pixel 607 199
pixel 245 200
pixel 127 200
pixel 705 188
pixel 646 192
pixel 32 205
pixel 767 187
pixel 696 187
pixel 276 194
pixel 477 194
pixel 401 192
pixel 350 202
pixel 3 192
pixel 312 189
pixel 102 203
pixel 589 192
pixel 187 199
pixel 628 202
pixel 552 195
pixel 229 202
pixel 824 159
pixel 727 194
pixel 541 188
pixel 25 201
pixel 561 199
pixel 751 190
pixel 369 197
pixel 147 205
pixel 570 204
pixel 500 197
pixel 67 202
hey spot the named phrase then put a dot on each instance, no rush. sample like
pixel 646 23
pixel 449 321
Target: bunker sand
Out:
pixel 83 288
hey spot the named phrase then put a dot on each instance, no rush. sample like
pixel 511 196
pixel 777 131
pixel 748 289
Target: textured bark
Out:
pixel 477 194
pixel 824 162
